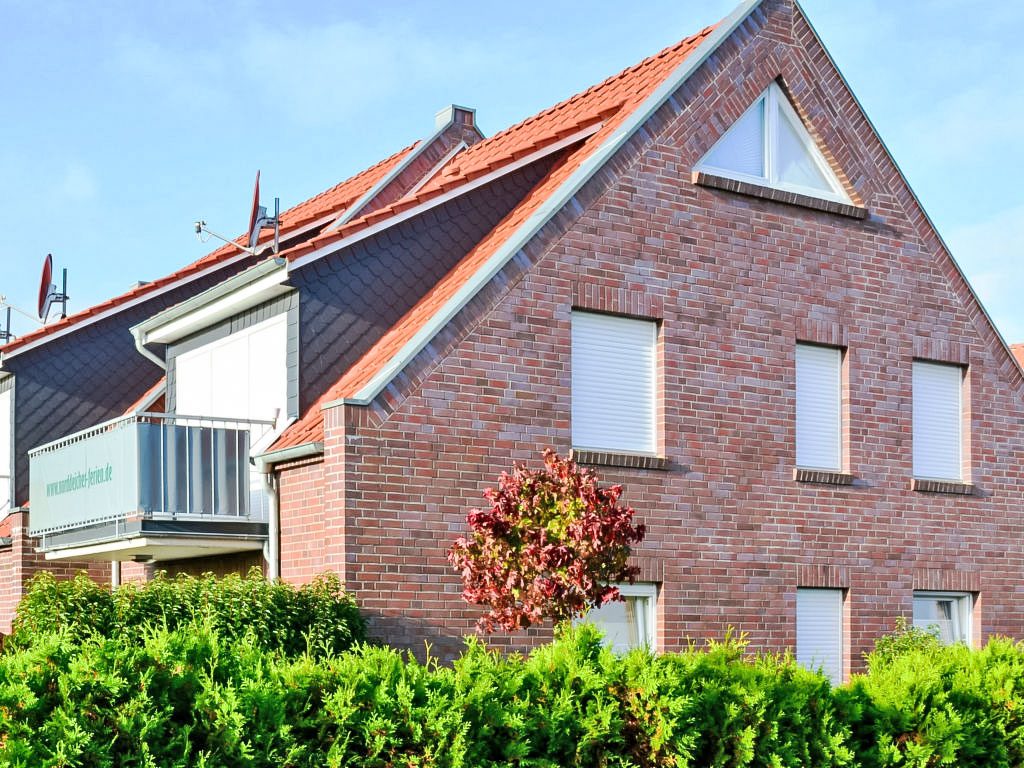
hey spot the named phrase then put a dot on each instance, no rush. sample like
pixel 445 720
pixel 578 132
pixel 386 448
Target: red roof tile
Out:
pixel 333 201
pixel 1018 353
pixel 611 102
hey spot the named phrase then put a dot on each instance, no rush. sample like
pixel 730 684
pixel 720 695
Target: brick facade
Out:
pixel 735 281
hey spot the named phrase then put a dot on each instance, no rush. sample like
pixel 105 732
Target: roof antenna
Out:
pixel 258 220
pixel 48 295
pixel 5 332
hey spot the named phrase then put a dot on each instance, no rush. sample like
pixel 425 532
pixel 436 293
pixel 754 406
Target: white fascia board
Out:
pixel 265 461
pixel 220 306
pixel 434 202
pixel 555 203
pixel 906 181
pixel 123 549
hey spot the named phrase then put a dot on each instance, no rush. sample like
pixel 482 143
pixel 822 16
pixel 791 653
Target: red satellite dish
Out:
pixel 46 288
pixel 255 212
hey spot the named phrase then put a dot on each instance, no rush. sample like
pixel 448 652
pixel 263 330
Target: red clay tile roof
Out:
pixel 1018 353
pixel 611 102
pixel 5 526
pixel 333 201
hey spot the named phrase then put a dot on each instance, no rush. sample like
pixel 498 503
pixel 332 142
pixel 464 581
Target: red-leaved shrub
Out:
pixel 549 546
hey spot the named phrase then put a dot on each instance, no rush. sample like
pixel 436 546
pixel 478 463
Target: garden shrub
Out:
pixel 923 704
pixel 319 615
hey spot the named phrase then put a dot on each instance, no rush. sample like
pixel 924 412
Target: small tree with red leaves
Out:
pixel 549 546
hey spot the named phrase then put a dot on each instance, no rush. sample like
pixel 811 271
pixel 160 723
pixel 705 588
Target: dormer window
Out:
pixel 769 145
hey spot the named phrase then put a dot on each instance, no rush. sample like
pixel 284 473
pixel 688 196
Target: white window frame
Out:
pixel 811 657
pixel 647 592
pixel 921 437
pixel 807 407
pixel 774 101
pixel 962 614
pixel 590 406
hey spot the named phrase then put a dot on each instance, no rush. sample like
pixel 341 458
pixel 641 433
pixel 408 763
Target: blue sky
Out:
pixel 124 122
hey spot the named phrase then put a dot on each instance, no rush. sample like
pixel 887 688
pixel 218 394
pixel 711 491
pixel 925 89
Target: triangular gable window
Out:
pixel 769 145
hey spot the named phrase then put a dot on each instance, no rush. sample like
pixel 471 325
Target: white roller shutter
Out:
pixel 819 631
pixel 937 420
pixel 242 376
pixel 818 407
pixel 613 383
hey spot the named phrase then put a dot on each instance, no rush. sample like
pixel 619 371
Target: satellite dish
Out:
pixel 256 213
pixel 47 289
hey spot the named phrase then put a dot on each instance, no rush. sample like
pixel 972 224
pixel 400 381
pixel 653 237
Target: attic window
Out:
pixel 770 146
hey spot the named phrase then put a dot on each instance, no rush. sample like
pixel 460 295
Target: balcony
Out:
pixel 149 487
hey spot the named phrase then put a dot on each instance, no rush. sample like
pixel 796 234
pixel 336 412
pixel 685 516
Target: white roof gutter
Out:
pixel 552 205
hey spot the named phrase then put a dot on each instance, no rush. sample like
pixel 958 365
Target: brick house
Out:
pixel 705 276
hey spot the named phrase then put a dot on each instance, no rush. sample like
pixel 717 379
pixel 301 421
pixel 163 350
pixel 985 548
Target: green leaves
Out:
pixel 319 617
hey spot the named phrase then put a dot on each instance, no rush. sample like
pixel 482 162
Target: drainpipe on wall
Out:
pixel 115 574
pixel 273 524
pixel 265 466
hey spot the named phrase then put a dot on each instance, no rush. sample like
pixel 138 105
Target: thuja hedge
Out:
pixel 198 691
pixel 317 616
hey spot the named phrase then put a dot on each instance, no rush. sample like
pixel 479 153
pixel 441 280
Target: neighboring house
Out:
pixel 706 277
pixel 85 370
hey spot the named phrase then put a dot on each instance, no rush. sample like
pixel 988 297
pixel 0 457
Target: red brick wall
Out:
pixel 301 499
pixel 737 282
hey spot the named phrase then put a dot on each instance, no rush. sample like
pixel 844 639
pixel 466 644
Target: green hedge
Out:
pixel 318 616
pixel 189 697
pixel 202 686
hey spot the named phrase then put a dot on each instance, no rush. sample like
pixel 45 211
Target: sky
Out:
pixel 123 122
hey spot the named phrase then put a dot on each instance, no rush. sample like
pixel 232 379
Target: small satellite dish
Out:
pixel 48 293
pixel 256 213
pixel 47 289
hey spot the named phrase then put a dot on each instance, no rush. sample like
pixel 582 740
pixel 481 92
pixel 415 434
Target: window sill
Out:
pixel 942 486
pixel 611 459
pixel 822 476
pixel 778 195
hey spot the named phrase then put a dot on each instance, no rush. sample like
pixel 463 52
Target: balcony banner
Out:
pixel 85 481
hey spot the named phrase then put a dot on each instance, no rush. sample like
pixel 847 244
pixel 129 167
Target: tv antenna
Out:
pixel 5 332
pixel 258 221
pixel 48 295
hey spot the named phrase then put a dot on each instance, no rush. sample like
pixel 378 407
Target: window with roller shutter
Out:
pixel 819 407
pixel 937 418
pixel 819 631
pixel 614 383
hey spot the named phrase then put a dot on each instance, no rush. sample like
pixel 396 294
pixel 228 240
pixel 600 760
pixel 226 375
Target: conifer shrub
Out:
pixel 319 616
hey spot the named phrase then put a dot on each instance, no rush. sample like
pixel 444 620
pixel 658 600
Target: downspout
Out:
pixel 265 466
pixel 151 356
pixel 269 478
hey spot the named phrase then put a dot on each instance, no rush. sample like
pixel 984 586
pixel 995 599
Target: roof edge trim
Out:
pixel 266 461
pixel 555 203
pixel 434 202
pixel 352 210
pixel 249 287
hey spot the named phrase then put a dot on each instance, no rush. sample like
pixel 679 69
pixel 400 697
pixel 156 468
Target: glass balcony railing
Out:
pixel 149 474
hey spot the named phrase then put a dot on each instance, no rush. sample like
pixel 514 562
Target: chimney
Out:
pixel 454 114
